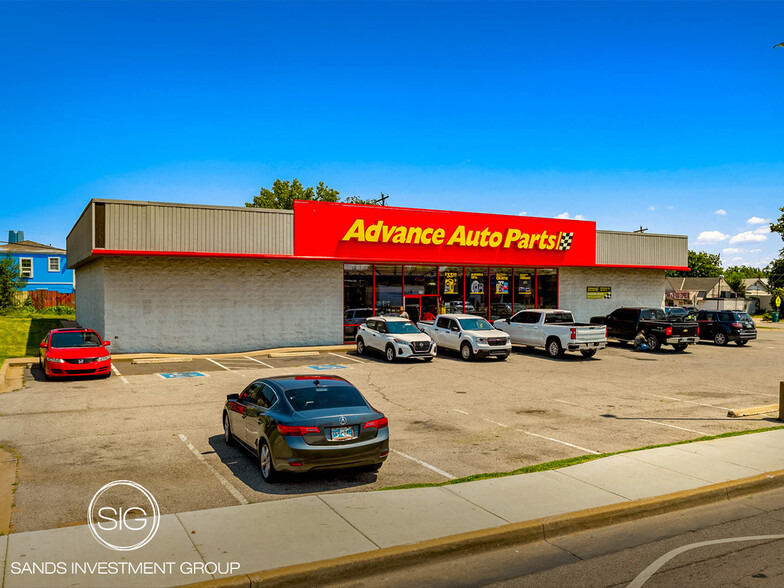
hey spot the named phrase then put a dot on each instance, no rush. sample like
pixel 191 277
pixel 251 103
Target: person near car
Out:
pixel 429 316
pixel 640 342
pixel 403 312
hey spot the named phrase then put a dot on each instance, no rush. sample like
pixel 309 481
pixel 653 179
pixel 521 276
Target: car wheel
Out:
pixel 741 343
pixel 227 436
pixel 428 359
pixel 554 348
pixel 653 343
pixel 46 375
pixel 720 338
pixel 588 352
pixel 466 352
pixel 268 471
pixel 680 346
pixel 504 356
pixel 360 346
pixel 375 467
pixel 390 354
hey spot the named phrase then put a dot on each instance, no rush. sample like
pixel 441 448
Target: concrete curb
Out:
pixel 7 365
pixel 742 412
pixel 355 566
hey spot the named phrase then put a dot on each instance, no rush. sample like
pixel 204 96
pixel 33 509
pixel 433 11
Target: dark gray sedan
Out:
pixel 304 423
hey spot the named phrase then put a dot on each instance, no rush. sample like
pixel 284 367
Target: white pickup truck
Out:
pixel 555 330
pixel 469 334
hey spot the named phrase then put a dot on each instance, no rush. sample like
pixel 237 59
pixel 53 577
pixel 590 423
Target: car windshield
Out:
pixel 363 313
pixel 475 324
pixel 402 328
pixel 74 339
pixel 324 397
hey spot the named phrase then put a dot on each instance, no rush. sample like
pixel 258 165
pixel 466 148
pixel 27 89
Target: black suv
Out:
pixel 723 326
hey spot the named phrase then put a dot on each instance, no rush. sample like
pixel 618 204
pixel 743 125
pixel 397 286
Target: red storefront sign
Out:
pixel 353 232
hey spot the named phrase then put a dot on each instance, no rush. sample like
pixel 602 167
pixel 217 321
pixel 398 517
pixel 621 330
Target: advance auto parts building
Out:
pixel 161 277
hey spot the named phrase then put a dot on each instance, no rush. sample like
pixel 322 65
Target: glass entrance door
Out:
pixel 422 307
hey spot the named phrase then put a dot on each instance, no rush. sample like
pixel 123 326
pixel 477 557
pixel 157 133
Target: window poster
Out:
pixel 502 284
pixel 524 284
pixel 477 283
pixel 450 283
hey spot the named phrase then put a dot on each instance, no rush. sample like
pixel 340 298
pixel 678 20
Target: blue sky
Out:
pixel 628 113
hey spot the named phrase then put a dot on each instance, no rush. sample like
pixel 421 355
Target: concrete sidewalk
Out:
pixel 371 526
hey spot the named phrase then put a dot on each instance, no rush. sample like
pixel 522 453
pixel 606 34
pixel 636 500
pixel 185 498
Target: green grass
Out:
pixel 562 463
pixel 20 335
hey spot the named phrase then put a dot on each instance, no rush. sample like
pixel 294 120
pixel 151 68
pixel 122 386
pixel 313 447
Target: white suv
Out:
pixel 394 337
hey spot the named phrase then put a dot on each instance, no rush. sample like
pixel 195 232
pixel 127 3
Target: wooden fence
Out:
pixel 47 299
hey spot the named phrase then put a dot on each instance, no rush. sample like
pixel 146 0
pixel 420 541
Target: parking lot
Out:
pixel 159 424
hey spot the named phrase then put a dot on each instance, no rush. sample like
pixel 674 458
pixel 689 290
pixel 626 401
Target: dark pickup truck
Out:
pixel 624 324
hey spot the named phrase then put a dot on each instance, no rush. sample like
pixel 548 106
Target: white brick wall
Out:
pixel 89 296
pixel 630 287
pixel 213 305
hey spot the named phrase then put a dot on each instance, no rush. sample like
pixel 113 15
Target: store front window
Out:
pixel 451 280
pixel 476 291
pixel 524 293
pixel 501 293
pixel 547 288
pixel 389 289
pixel 420 291
pixel 357 297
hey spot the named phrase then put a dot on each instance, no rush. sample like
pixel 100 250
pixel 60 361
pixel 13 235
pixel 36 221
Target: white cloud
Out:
pixel 731 251
pixel 523 213
pixel 755 220
pixel 712 237
pixel 736 259
pixel 764 230
pixel 721 211
pixel 747 236
pixel 651 207
pixel 755 250
pixel 566 215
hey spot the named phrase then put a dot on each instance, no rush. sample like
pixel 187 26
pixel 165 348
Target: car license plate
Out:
pixel 684 340
pixel 342 433
pixel 498 353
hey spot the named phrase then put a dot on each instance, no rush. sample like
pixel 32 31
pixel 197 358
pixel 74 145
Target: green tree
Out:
pixel 778 227
pixel 775 271
pixel 10 282
pixel 701 265
pixel 737 273
pixel 284 193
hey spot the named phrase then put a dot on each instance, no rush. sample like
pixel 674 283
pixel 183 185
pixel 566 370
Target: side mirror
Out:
pixel 107 343
pixel 232 397
pixel 42 345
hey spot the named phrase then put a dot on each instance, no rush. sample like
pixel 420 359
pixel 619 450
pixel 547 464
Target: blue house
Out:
pixel 41 266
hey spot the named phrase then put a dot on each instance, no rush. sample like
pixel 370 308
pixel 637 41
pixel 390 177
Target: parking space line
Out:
pixel 119 375
pixel 534 434
pixel 674 427
pixel 226 484
pixel 567 402
pixel 422 463
pixel 688 401
pixel 347 357
pixel 218 364
pixel 261 362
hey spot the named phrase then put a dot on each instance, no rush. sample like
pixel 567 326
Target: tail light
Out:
pixel 605 332
pixel 737 325
pixel 668 331
pixel 698 329
pixel 574 333
pixel 297 431
pixel 377 424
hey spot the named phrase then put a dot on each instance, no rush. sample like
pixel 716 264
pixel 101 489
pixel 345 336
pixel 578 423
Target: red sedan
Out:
pixel 74 352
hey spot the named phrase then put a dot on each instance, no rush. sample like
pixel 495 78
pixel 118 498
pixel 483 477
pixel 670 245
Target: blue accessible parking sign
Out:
pixel 327 367
pixel 181 375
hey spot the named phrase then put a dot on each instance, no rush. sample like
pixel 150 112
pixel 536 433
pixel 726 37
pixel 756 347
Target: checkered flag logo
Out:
pixel 566 241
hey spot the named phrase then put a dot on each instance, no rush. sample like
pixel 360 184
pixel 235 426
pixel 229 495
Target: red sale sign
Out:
pixel 352 232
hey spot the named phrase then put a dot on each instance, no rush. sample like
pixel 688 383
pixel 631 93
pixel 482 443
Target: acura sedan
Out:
pixel 74 352
pixel 305 423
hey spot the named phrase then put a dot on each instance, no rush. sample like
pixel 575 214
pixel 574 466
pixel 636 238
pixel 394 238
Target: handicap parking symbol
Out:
pixel 182 375
pixel 327 367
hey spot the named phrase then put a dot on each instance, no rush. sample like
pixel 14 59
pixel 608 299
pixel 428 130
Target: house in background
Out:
pixel 704 293
pixel 757 294
pixel 41 266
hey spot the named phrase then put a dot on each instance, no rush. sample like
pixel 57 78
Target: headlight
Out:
pixel 104 358
pixel 400 341
pixel 481 340
pixel 55 360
